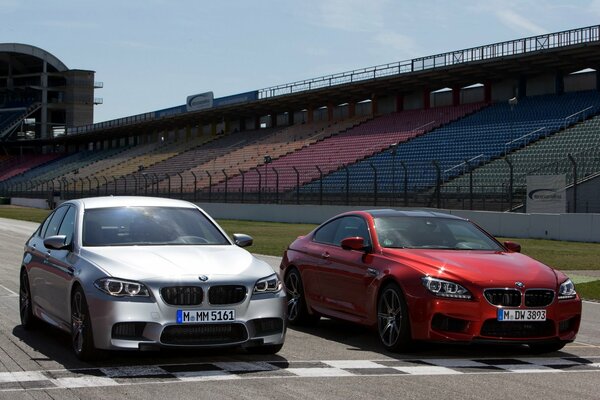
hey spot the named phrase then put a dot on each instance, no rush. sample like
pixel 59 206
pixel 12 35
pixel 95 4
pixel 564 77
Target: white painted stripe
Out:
pixel 12 294
pixel 318 372
pixel 88 381
pixel 525 368
pixel 456 363
pixel 191 376
pixel 22 376
pixel 428 370
pixel 353 364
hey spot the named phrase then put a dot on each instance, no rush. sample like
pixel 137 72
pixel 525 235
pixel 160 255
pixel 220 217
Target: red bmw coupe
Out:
pixel 417 275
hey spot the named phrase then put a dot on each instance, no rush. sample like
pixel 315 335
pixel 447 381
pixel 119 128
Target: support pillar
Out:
pixel 559 82
pixel 487 91
pixel 374 105
pixel 456 96
pixel 290 117
pixel 310 115
pixel 330 108
pixel 426 98
pixel 351 109
pixel 399 102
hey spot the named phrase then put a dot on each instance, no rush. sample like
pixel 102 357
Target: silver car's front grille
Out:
pixel 226 294
pixel 204 334
pixel 182 295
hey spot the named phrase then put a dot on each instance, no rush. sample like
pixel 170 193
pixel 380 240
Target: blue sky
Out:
pixel 152 54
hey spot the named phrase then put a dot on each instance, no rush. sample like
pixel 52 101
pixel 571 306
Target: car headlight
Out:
pixel 270 284
pixel 121 288
pixel 567 290
pixel 442 288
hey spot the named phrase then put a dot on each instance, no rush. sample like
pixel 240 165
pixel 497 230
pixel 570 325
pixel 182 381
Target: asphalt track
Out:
pixel 334 360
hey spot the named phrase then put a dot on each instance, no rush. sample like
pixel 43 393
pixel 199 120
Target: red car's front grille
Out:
pixel 539 297
pixel 503 297
pixel 513 329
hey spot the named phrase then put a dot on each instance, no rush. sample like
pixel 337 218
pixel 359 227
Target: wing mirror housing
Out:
pixel 512 247
pixel 242 240
pixel 355 243
pixel 57 242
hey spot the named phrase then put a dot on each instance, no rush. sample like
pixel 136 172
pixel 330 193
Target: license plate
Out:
pixel 521 315
pixel 198 316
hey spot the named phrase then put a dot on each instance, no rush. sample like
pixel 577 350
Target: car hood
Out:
pixel 176 262
pixel 485 268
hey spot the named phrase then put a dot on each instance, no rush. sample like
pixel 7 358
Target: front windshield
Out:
pixel 432 233
pixel 129 226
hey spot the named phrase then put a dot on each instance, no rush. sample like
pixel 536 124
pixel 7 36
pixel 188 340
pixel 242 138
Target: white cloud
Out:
pixel 401 45
pixel 519 23
pixel 348 15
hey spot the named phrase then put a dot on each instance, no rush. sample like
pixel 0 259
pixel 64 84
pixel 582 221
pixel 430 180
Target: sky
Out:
pixel 152 54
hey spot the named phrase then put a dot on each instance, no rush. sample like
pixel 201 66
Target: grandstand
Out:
pixel 463 129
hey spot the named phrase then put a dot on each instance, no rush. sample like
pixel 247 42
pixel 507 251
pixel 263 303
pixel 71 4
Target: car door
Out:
pixel 314 258
pixel 51 270
pixel 347 275
pixel 62 262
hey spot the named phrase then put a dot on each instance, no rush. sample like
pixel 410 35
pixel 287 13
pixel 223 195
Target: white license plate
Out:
pixel 199 316
pixel 521 315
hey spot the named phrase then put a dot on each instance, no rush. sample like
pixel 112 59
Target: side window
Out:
pixel 68 225
pixel 350 227
pixel 326 233
pixel 55 220
pixel 44 226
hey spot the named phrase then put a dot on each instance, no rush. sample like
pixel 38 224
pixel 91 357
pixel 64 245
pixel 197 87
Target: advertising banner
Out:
pixel 200 101
pixel 546 194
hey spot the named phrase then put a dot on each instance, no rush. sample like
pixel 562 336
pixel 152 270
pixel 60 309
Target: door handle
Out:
pixel 325 255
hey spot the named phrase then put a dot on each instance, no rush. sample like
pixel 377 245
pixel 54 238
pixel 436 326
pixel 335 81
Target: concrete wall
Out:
pixel 570 227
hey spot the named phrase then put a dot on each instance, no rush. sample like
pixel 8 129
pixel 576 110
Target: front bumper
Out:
pixel 142 324
pixel 449 320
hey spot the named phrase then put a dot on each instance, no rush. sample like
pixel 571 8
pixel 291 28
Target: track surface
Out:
pixel 334 360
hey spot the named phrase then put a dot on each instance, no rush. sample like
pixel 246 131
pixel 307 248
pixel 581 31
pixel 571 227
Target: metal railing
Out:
pixel 481 53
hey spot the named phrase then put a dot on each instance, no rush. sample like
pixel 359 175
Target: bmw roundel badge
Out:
pixel 203 278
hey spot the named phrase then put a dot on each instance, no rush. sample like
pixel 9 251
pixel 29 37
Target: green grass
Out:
pixel 561 255
pixel 589 290
pixel 272 238
pixel 23 213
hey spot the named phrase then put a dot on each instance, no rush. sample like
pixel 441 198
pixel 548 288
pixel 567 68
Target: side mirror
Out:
pixel 354 243
pixel 56 242
pixel 242 240
pixel 512 247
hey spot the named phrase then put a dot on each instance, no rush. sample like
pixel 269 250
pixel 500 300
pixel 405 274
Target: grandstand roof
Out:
pixel 564 52
pixel 27 59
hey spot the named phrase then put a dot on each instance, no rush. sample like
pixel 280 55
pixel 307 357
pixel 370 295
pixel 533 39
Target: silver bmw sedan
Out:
pixel 140 273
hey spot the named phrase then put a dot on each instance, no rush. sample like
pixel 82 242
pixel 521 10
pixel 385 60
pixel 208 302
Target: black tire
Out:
pixel 28 320
pixel 265 349
pixel 82 338
pixel 297 310
pixel 546 347
pixel 393 324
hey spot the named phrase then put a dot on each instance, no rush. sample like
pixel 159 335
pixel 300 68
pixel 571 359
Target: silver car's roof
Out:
pixel 130 201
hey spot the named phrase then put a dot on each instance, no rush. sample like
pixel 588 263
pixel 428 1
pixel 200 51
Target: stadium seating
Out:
pixel 359 142
pixel 474 140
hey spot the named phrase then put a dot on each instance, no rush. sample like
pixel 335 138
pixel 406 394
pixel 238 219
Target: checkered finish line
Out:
pixel 131 375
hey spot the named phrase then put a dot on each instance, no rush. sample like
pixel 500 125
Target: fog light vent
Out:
pixel 128 330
